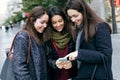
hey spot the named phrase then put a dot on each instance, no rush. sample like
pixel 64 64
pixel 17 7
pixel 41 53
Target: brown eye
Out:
pixel 53 22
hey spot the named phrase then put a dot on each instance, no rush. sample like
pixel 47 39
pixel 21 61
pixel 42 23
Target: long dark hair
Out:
pixel 55 10
pixel 90 19
pixel 36 13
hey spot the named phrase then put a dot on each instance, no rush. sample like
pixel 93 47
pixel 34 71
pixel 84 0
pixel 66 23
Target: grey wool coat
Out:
pixel 36 68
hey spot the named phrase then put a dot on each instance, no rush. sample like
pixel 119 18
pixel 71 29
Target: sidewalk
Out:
pixel 116 56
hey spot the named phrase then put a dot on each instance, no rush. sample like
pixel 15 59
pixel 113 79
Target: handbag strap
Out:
pixel 105 66
pixel 28 55
pixel 93 74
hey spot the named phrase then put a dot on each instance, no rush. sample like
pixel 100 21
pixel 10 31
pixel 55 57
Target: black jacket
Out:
pixel 93 52
pixel 52 56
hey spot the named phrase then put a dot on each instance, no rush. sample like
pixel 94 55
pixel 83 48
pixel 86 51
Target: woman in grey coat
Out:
pixel 35 69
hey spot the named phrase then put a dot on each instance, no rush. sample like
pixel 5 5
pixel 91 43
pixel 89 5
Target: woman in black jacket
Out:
pixel 93 43
pixel 60 44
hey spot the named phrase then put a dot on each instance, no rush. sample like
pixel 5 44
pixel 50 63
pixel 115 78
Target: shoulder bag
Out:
pixel 7 70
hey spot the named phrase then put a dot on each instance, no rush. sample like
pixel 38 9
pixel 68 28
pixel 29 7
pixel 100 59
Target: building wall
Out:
pixel 13 6
pixel 98 7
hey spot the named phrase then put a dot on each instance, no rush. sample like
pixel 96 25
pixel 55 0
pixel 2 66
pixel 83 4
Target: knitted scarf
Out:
pixel 61 40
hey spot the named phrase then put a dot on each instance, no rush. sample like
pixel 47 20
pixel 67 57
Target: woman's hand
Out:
pixel 72 55
pixel 59 64
pixel 10 57
pixel 67 65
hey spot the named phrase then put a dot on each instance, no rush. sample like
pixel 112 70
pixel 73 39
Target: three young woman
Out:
pixel 93 45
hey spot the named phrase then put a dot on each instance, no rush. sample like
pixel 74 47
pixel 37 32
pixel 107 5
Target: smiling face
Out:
pixel 57 22
pixel 41 23
pixel 75 16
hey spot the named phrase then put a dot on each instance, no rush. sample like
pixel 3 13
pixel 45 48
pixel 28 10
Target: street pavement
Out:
pixel 116 56
pixel 6 40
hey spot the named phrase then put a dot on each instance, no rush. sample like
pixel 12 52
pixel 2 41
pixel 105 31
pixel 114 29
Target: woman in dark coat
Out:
pixel 60 44
pixel 36 68
pixel 93 43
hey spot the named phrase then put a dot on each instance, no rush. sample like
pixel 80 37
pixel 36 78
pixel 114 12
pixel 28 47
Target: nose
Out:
pixel 73 19
pixel 44 25
pixel 58 24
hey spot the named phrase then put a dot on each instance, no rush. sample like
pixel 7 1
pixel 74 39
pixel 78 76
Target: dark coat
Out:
pixel 52 56
pixel 93 52
pixel 36 68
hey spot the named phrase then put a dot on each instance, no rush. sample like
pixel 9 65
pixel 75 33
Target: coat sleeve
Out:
pixel 51 60
pixel 51 57
pixel 20 52
pixel 103 46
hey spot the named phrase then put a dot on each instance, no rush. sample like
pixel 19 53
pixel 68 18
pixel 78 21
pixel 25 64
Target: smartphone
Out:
pixel 64 59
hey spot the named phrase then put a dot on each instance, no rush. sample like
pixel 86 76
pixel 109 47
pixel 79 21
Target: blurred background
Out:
pixel 13 14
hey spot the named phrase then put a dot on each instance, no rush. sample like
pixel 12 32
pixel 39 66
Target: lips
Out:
pixel 41 29
pixel 77 23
